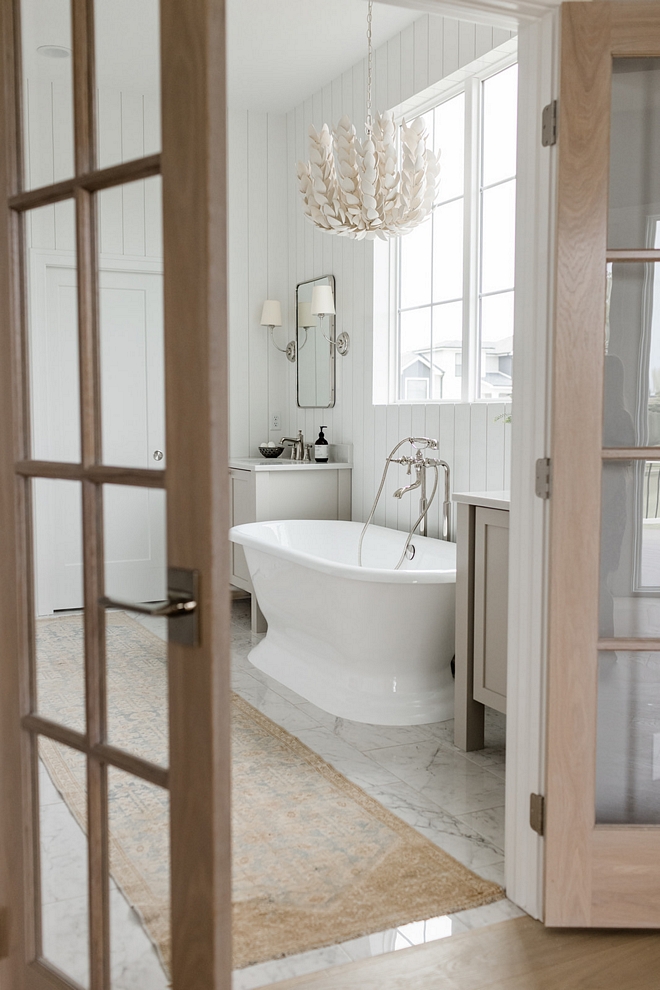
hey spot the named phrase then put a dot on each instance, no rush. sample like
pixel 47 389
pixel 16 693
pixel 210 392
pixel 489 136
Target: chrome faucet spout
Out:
pixel 297 446
pixel 400 492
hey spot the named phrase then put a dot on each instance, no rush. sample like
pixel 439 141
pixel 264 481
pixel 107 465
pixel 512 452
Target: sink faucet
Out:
pixel 297 446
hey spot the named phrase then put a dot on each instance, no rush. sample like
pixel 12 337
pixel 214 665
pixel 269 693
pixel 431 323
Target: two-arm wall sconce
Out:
pixel 323 304
pixel 271 317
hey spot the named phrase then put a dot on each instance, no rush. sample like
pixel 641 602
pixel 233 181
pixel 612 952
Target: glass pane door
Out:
pixel 628 754
pixel 603 790
pixel 93 391
pixel 114 724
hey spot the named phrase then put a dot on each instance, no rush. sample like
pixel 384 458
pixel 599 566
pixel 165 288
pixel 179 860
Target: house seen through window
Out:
pixel 455 273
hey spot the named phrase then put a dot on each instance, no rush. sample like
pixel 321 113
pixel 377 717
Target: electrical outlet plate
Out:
pixel 275 422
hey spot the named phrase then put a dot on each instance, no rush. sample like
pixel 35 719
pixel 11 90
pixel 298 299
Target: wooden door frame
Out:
pixel 538 52
pixel 513 15
pixel 193 166
pixel 594 874
pixel 537 22
pixel 538 47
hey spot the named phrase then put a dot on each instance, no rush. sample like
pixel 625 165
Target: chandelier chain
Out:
pixel 370 68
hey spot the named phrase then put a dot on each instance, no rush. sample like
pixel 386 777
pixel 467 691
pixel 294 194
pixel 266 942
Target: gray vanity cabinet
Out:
pixel 491 576
pixel 482 578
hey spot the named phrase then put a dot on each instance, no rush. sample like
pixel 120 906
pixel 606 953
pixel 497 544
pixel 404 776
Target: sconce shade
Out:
pixel 305 318
pixel 271 314
pixel 322 300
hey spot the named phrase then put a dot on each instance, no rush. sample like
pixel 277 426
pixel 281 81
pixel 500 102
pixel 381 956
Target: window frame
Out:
pixel 472 247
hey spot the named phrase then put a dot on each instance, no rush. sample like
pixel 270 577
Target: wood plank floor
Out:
pixel 513 955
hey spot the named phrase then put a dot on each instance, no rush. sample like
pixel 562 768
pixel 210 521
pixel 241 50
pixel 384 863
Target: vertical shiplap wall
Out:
pixel 258 266
pixel 130 216
pixel 474 442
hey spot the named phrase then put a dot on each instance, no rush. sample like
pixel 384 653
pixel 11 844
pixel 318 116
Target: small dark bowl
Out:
pixel 270 451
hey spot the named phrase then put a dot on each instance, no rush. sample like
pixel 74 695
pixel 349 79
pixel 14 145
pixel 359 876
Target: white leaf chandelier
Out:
pixel 369 189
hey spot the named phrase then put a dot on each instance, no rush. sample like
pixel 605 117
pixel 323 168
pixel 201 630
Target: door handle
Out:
pixel 181 607
pixel 158 455
pixel 169 609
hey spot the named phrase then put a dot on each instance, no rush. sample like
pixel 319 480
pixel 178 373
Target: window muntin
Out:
pixel 449 140
pixel 499 125
pixel 452 295
pixel 430 311
pixel 499 94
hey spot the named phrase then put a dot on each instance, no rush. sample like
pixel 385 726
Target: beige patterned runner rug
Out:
pixel 316 860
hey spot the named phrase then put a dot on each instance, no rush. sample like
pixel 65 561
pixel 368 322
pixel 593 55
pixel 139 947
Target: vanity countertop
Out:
pixel 490 500
pixel 278 464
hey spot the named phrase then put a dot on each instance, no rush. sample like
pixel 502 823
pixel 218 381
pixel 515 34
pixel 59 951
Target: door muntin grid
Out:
pixel 628 738
pixel 83 465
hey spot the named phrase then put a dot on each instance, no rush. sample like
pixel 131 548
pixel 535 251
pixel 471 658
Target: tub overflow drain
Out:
pixel 410 552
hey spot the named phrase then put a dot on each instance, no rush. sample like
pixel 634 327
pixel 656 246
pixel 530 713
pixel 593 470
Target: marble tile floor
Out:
pixel 456 799
pixel 135 964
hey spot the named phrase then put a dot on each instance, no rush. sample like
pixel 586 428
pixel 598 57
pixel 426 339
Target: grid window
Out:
pixel 431 272
pixel 497 183
pixel 455 273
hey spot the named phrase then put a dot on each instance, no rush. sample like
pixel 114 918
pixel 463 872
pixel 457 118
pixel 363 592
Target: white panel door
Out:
pixel 132 372
pixel 133 429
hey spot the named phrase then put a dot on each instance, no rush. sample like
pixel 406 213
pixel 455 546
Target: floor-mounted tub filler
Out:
pixel 372 642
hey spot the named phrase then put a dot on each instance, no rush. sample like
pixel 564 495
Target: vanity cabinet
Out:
pixel 482 578
pixel 491 575
pixel 262 490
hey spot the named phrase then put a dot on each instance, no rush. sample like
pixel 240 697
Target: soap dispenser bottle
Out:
pixel 321 448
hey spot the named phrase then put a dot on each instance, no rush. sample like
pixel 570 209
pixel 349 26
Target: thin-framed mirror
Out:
pixel 315 337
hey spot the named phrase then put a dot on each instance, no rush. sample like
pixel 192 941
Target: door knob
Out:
pixel 158 455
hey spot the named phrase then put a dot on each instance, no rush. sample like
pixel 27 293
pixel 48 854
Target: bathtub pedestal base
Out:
pixel 302 675
pixel 258 622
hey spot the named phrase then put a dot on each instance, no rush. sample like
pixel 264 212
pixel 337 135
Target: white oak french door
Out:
pixel 603 781
pixel 50 736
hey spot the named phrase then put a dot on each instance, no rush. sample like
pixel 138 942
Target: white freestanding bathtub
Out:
pixel 366 643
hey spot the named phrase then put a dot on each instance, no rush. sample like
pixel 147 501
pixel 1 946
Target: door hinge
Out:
pixel 537 813
pixel 549 125
pixel 4 933
pixel 543 486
